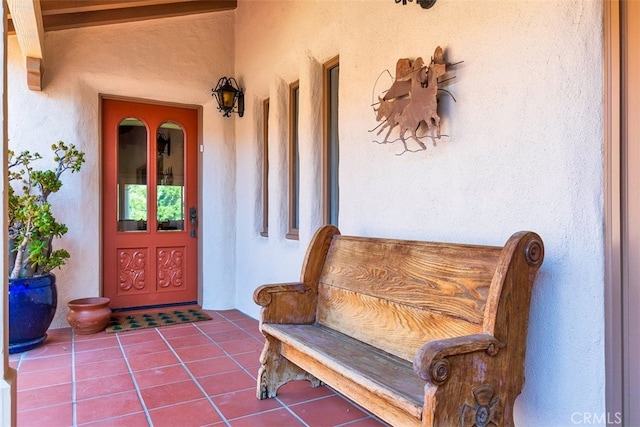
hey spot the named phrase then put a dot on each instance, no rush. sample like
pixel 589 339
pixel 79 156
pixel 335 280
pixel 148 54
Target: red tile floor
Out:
pixel 196 374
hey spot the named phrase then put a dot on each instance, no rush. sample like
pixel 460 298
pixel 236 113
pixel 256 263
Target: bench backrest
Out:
pixel 398 294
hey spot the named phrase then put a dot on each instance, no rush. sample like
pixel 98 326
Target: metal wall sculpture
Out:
pixel 412 100
pixel 425 4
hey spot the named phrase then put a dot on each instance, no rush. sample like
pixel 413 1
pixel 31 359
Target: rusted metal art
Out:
pixel 412 100
pixel 425 4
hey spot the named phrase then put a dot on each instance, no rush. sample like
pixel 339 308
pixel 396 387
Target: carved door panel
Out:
pixel 149 208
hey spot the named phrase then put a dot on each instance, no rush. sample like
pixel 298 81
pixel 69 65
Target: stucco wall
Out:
pixel 524 152
pixel 174 60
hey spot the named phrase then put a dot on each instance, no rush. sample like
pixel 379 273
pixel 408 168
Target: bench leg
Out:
pixel 277 371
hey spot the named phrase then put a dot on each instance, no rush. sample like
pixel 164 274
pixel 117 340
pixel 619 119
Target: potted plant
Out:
pixel 32 228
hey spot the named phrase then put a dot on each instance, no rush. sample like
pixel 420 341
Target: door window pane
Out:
pixel 170 178
pixel 132 175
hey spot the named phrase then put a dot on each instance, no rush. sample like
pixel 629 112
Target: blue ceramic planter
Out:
pixel 32 305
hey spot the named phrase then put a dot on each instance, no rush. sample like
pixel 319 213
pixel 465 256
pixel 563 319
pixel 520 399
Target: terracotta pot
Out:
pixel 89 315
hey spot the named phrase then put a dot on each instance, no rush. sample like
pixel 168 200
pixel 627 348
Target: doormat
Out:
pixel 134 322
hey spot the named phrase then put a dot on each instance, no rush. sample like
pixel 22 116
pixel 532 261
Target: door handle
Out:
pixel 193 219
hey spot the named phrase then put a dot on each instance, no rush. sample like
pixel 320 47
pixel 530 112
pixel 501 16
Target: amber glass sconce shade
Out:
pixel 230 96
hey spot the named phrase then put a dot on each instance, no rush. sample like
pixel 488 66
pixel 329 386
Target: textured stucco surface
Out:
pixel 524 151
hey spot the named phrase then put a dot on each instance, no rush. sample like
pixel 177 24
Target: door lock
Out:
pixel 193 218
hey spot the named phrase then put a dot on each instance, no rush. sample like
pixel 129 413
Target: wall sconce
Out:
pixel 426 4
pixel 229 96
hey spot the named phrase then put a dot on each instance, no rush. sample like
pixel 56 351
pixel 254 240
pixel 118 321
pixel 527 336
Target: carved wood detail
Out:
pixel 132 270
pixel 485 410
pixel 170 268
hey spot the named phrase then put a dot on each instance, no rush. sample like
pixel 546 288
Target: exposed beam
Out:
pixel 26 17
pixel 57 7
pixel 65 14
pixel 34 73
pixel 60 15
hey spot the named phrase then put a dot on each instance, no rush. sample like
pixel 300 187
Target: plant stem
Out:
pixel 17 266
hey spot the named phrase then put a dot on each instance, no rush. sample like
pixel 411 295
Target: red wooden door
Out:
pixel 149 207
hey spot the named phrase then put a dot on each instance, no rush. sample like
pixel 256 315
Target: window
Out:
pixel 132 207
pixel 133 203
pixel 294 163
pixel 265 168
pixel 330 197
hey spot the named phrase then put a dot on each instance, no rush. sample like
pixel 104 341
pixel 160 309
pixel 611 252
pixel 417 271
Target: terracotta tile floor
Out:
pixel 197 374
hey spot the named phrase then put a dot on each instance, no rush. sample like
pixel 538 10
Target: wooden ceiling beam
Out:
pixel 26 18
pixel 56 7
pixel 65 14
pixel 129 11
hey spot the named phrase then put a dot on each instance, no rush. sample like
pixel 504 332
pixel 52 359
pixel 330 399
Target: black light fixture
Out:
pixel 426 4
pixel 230 96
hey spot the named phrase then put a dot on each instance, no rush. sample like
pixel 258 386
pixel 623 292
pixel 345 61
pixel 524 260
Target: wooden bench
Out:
pixel 418 333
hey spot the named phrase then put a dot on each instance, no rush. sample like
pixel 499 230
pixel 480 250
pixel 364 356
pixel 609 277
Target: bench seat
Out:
pixel 371 371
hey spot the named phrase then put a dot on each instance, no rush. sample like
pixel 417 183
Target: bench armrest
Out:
pixel 286 303
pixel 430 362
pixel 263 294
